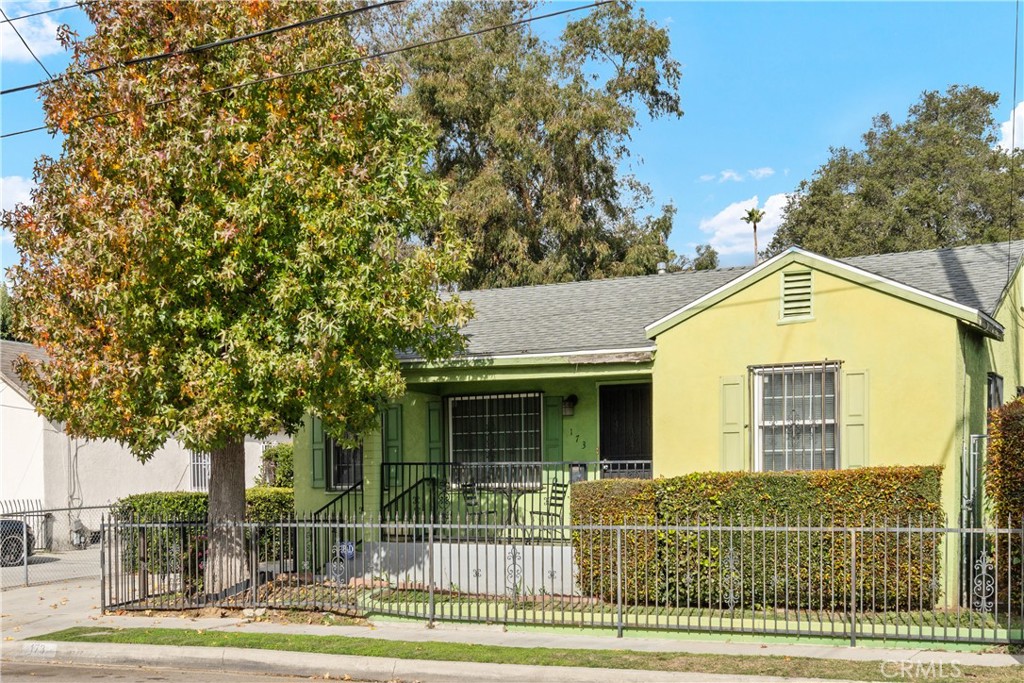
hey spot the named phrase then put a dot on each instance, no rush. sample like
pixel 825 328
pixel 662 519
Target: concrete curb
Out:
pixel 238 660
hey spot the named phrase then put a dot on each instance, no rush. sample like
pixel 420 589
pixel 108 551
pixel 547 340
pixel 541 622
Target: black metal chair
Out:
pixel 474 509
pixel 554 515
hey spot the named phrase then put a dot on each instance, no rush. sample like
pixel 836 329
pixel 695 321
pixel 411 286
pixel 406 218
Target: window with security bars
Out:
pixel 496 428
pixel 795 415
pixel 344 465
pixel 199 471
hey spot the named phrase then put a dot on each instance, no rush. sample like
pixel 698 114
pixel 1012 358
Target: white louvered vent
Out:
pixel 796 294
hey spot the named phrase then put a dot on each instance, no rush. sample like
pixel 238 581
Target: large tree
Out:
pixel 221 264
pixel 936 180
pixel 532 134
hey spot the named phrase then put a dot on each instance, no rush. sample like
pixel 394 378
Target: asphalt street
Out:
pixel 16 672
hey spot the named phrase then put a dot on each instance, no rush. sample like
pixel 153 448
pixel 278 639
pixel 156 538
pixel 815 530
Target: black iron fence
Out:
pixel 888 579
pixel 492 492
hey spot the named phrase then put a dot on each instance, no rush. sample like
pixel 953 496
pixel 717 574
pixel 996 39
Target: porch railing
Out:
pixel 495 492
pixel 884 579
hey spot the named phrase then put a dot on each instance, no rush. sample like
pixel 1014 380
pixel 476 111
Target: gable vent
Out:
pixel 796 294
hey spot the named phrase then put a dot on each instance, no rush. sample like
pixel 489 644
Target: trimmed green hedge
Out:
pixel 616 501
pixel 182 549
pixel 262 504
pixel 1004 484
pixel 725 568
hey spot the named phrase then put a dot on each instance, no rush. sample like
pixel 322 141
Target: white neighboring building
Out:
pixel 41 464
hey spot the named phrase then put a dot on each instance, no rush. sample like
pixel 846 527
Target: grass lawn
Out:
pixel 802 667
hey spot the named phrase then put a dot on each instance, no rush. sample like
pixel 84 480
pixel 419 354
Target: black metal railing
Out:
pixel 885 579
pixel 348 504
pixel 507 493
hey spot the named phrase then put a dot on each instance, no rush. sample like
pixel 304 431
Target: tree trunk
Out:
pixel 226 567
pixel 755 244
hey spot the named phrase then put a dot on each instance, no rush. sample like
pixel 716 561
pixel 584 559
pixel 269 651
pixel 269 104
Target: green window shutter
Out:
pixel 317 441
pixel 553 428
pixel 435 431
pixel 855 419
pixel 392 436
pixel 731 424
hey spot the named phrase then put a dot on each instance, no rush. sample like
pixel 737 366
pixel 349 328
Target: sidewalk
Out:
pixel 37 610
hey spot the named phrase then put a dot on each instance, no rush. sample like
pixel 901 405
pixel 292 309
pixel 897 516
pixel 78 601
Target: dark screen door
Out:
pixel 625 422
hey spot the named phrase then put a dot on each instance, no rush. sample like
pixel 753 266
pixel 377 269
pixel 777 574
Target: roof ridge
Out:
pixel 935 250
pixel 619 278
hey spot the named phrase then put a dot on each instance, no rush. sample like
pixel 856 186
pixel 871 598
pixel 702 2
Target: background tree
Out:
pixel 706 259
pixel 531 135
pixel 277 466
pixel 218 266
pixel 936 180
pixel 754 216
pixel 6 315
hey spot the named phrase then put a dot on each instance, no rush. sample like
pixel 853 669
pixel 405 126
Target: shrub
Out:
pixel 811 569
pixel 616 502
pixel 181 548
pixel 1004 484
pixel 1004 467
pixel 277 467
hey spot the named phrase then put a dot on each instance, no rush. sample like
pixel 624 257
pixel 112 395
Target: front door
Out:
pixel 625 429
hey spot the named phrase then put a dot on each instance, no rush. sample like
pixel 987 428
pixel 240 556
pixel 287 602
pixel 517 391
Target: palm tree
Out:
pixel 754 216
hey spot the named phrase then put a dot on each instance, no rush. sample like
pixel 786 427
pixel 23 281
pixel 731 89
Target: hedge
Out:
pixel 1004 484
pixel 277 466
pixel 181 549
pixel 613 502
pixel 743 567
pixel 262 504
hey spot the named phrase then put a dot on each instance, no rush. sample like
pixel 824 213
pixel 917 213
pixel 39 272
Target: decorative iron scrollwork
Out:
pixel 514 570
pixel 983 583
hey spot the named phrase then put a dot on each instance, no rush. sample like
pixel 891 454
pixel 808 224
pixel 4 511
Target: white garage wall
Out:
pixel 21 447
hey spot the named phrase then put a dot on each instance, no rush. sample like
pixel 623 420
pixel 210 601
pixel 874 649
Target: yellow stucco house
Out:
pixel 800 362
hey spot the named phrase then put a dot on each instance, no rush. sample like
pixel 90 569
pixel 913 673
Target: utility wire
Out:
pixel 1013 143
pixel 343 62
pixel 11 20
pixel 217 43
pixel 25 43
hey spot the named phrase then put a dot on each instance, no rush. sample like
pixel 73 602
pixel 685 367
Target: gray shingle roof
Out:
pixel 612 314
pixel 10 352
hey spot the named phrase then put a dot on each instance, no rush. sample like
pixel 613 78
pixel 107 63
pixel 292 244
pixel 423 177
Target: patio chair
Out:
pixel 475 510
pixel 554 515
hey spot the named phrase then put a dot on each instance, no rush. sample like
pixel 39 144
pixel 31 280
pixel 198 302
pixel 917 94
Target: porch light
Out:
pixel 569 405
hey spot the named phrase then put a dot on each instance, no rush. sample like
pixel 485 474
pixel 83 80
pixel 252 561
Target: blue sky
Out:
pixel 767 88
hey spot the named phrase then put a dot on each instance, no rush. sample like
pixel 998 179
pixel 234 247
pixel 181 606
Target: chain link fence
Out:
pixel 44 546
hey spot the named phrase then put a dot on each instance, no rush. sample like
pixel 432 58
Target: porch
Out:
pixel 531 497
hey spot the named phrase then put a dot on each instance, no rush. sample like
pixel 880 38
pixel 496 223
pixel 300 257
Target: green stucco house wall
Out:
pixel 801 361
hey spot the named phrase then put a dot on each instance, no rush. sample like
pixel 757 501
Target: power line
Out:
pixel 343 62
pixel 25 43
pixel 1013 142
pixel 217 43
pixel 11 20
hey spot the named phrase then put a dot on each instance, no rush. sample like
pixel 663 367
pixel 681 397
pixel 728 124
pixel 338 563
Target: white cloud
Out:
pixel 1006 129
pixel 761 173
pixel 729 175
pixel 707 177
pixel 14 190
pixel 730 235
pixel 39 32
